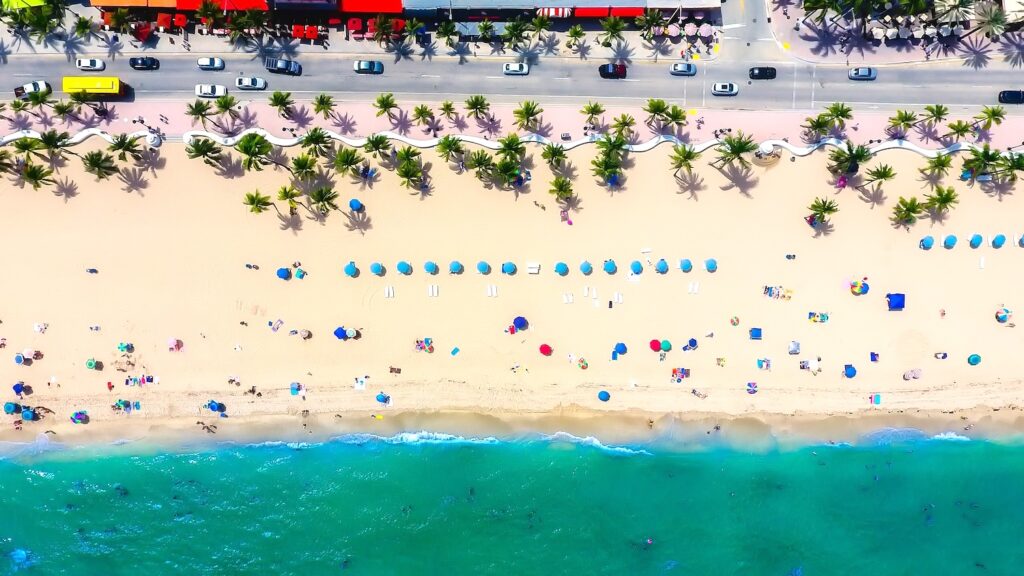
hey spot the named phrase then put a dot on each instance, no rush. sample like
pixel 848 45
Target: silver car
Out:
pixel 208 63
pixel 863 73
pixel 90 64
pixel 368 67
pixel 724 89
pixel 683 69
pixel 250 83
pixel 211 90
pixel 515 69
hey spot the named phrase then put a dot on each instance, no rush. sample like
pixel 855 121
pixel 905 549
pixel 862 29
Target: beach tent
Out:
pixel 604 396
pixel 350 270
pixel 546 350
pixel 755 333
pixel 1020 241
pixel 711 265
pixel 949 242
pixel 976 240
pixel 636 267
pixel 661 267
pixel 927 242
pixel 896 301
pixel 377 269
pixel 561 269
pixel 404 268
pixel 284 273
pixel 19 359
pixel 859 287
pixel 586 268
pixel 508 268
pixel 340 333
pixel 685 265
pixel 849 371
pixel 355 205
pixel 610 267
pixel 998 241
pixel 430 267
pixel 620 348
pixel 483 267
pixel 456 267
pixel 692 344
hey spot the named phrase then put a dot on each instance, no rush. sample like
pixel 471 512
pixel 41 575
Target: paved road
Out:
pixel 798 86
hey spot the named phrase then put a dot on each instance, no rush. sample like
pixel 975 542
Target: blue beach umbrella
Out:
pixel 927 242
pixel 711 265
pixel 998 241
pixel 949 242
pixel 661 267
pixel 212 405
pixel 604 396
pixel 974 359
pixel 284 273
pixel 404 268
pixel 586 268
pixel 350 270
pixel 340 333
pixel 561 268
pixel 28 414
pixel 19 359
pixel 1020 241
pixel 11 407
pixel 355 205
pixel 636 267
pixel 430 267
pixel 456 267
pixel 620 348
pixel 849 371
pixel 520 323
pixel 508 268
pixel 976 240
pixel 18 388
pixel 685 265
pixel 610 267
pixel 692 343
pixel 377 269
pixel 483 267
pixel 383 398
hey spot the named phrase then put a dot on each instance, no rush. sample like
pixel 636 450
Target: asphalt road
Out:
pixel 798 86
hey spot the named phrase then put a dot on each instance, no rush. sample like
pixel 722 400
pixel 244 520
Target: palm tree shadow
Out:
pixel 824 229
pixel 358 222
pixel 301 116
pixel 429 51
pixel 741 178
pixel 401 50
pixel 113 48
pixel 367 183
pixel 572 204
pixel 287 47
pixel 324 178
pixel 56 162
pixel 288 221
pixel 930 179
pixel 582 49
pixel 937 216
pixel 1012 49
pixel 549 45
pixel 230 167
pixel 982 135
pixel 622 53
pixel 690 183
pixel 976 52
pixel 530 54
pixel 874 195
pixel 998 188
pixel 20 122
pixel 823 40
pixel 73 46
pixel 401 122
pixel 658 48
pixel 345 123
pixel 134 180
pixel 278 157
pixel 459 122
pixel 490 125
pixel 247 118
pixel 151 161
pixel 543 128
pixel 66 189
pixel 567 170
pixel 927 131
pixel 5 51
pixel 497 48
pixel 462 51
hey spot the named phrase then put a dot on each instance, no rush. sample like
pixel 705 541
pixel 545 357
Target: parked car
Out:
pixel 515 68
pixel 368 67
pixel 31 88
pixel 250 83
pixel 208 63
pixel 763 73
pixel 210 90
pixel 683 69
pixel 282 66
pixel 863 73
pixel 612 71
pixel 144 63
pixel 90 64
pixel 1011 97
pixel 724 89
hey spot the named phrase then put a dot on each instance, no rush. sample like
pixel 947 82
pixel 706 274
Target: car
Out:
pixel 250 83
pixel 282 66
pixel 683 69
pixel 1011 97
pixel 31 88
pixel 724 89
pixel 863 73
pixel 368 67
pixel 612 71
pixel 210 90
pixel 144 63
pixel 515 68
pixel 210 63
pixel 90 64
pixel 763 73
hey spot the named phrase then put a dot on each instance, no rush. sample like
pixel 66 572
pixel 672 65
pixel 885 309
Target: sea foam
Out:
pixel 593 443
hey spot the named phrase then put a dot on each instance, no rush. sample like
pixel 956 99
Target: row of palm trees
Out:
pixel 988 16
pixel 836 115
pixel 52 146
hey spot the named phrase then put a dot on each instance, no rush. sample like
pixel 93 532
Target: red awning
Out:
pixel 629 12
pixel 397 25
pixel 355 25
pixel 187 5
pixel 297 31
pixel 590 12
pixel 106 17
pixel 142 32
pixel 554 12
pixel 163 20
pixel 244 5
pixel 372 6
pixel 180 20
pixel 312 33
pixel 371 27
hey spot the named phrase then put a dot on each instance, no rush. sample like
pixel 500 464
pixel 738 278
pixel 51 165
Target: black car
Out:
pixel 612 70
pixel 282 66
pixel 1011 97
pixel 762 73
pixel 144 63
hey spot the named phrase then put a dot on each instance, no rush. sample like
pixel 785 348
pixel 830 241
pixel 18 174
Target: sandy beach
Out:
pixel 171 253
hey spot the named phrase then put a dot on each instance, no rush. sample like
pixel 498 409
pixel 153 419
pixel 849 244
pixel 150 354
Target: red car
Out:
pixel 612 70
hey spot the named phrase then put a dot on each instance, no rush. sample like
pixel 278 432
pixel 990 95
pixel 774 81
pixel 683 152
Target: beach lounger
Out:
pixel 532 268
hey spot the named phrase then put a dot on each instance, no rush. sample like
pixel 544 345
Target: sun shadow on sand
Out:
pixel 291 222
pixel 358 222
pixel 740 178
pixel 230 167
pixel 873 195
pixel 690 183
pixel 134 180
pixel 66 189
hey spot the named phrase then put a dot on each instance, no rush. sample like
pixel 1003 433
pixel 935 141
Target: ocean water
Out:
pixel 416 504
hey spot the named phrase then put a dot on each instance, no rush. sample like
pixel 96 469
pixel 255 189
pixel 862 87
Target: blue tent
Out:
pixel 636 267
pixel 339 333
pixel 350 270
pixel 620 348
pixel 610 267
pixel 377 269
pixel 976 240
pixel 711 265
pixel 355 205
pixel 692 343
pixel 755 333
pixel 508 268
pixel 661 267
pixel 520 323
pixel 998 241
pixel 404 268
pixel 949 242
pixel 685 265
pixel 896 301
pixel 586 268
pixel 927 242
pixel 604 396
pixel 383 398
pixel 561 268
pixel 455 267
pixel 284 273
pixel 430 267
pixel 849 371
pixel 483 267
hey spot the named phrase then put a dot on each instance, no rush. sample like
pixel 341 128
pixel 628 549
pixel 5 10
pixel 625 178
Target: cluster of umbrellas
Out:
pixel 662 345
pixel 342 333
pixel 509 268
pixel 27 413
pixel 975 241
pixel 215 406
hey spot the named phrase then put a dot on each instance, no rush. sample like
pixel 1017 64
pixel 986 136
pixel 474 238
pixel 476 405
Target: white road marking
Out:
pixel 731 26
pixel 493 77
pixel 429 76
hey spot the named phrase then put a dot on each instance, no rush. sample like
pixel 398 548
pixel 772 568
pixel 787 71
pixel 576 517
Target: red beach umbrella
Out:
pixel 656 345
pixel 546 350
pixel 297 31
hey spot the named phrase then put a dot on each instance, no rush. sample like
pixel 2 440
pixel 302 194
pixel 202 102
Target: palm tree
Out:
pixel 817 10
pixel 561 187
pixel 125 146
pixel 422 114
pixel 255 150
pixel 210 13
pixel 539 25
pixel 206 149
pixel 477 106
pixel 576 35
pixel 303 167
pixel 99 164
pixel 848 160
pixel 411 27
pixel 482 162
pixel 683 157
pixel 384 27
pixel 29 147
pixel 64 110
pixel 734 148
pixel 317 141
pixel 606 167
pixel 19 106
pixel 880 173
pixel 348 160
pixel 612 28
pixel 612 146
pixel 822 208
pixel 282 102
pixel 623 125
pixel 1010 164
pixel 990 20
pixel 515 33
pixel 449 146
pixel 55 143
pixel 817 126
pixel 39 99
pixel 839 114
pixel 257 203
pixel 593 111
pixel 323 105
pixel 942 200
pixel 289 195
pixel 485 31
pixel 511 147
pixel 447 109
pixel 407 154
pixel 376 145
pixel 36 175
pixel 410 174
pixel 958 129
pixel 934 114
pixel 527 114
pixel 324 199
pixel 656 109
pixel 385 104
pixel 939 165
pixel 506 171
pixel 120 20
pixel 554 154
pixel 981 160
pixel 675 116
pixel 226 105
pixel 199 110
pixel 902 121
pixel 954 11
pixel 446 30
pixel 84 27
pixel 990 115
pixel 906 211
pixel 647 22
pixel 7 162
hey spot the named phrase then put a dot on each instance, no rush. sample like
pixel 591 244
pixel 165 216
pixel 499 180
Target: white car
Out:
pixel 724 89
pixel 516 68
pixel 210 90
pixel 208 63
pixel 250 83
pixel 90 64
pixel 863 74
pixel 683 69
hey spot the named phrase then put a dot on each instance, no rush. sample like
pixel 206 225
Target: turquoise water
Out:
pixel 429 504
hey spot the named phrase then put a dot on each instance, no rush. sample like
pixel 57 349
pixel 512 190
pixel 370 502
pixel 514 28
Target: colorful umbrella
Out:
pixel 1003 315
pixel 284 273
pixel 998 240
pixel 508 268
pixel 610 267
pixel 665 345
pixel 483 267
pixel 949 242
pixel 561 269
pixel 685 265
pixel 430 267
pixel 927 242
pixel 976 241
pixel 355 205
pixel 456 267
pixel 620 348
pixel 546 349
pixel 661 267
pixel 974 359
pixel 859 288
pixel 655 345
pixel 520 323
pixel 711 265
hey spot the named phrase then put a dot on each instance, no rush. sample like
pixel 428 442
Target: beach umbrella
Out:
pixel 90 363
pixel 704 30
pixel 610 267
pixel 604 396
pixel 692 343
pixel 949 242
pixel 377 269
pixel 561 269
pixel 1003 316
pixel 212 405
pixel 383 398
pixel 976 240
pixel 508 268
pixel 711 265
pixel 665 345
pixel 19 359
pixel 998 241
pixel 620 348
pixel 355 205
pixel 350 270
pixel 1020 241
pixel 655 345
pixel 974 359
pixel 455 267
pixel 878 33
pixel 11 407
pixel 284 273
pixel 221 407
pixel 305 334
pixel 404 268
pixel 636 267
pixel 430 267
pixel 546 349
pixel 350 332
pixel 340 333
pixel 858 287
pixel 19 387
pixel 483 267
pixel 849 371
pixel 685 265
pixel 661 267
pixel 28 414
pixel 586 268
pixel 690 29
pixel 520 323
pixel 927 242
